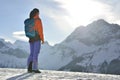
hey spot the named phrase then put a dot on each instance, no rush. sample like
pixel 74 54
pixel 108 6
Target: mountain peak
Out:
pixel 2 40
pixel 100 22
pixel 98 32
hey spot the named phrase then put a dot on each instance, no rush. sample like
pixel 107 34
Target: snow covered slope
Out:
pixel 97 48
pixel 21 74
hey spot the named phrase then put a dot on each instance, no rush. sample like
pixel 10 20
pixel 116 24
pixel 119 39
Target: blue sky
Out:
pixel 13 13
pixel 59 17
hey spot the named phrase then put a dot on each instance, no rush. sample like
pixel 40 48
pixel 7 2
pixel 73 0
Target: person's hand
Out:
pixel 42 42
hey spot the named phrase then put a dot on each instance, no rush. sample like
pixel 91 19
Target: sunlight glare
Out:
pixel 82 12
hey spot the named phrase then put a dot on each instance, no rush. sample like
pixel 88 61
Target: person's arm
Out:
pixel 40 29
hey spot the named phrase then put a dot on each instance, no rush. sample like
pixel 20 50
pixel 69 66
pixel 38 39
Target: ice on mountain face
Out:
pixel 12 61
pixel 53 57
pixel 21 74
pixel 9 50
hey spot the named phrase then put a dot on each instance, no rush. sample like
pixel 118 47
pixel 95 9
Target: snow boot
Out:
pixel 30 67
pixel 36 71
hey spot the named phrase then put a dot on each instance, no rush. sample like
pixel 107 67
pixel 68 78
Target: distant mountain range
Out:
pixel 91 48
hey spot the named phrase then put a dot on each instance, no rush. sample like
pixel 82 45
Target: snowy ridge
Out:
pixel 12 56
pixel 21 74
pixel 22 45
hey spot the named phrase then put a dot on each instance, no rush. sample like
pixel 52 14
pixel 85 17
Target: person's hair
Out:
pixel 33 12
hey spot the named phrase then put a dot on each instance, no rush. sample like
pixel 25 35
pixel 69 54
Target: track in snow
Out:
pixel 21 74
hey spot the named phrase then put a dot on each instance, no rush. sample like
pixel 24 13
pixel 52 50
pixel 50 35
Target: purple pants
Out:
pixel 34 51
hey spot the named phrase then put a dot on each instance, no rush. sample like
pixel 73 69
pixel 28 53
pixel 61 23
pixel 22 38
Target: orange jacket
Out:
pixel 39 28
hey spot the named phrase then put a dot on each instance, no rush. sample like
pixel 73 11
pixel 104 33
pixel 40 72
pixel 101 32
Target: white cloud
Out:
pixel 114 10
pixel 20 35
pixel 82 12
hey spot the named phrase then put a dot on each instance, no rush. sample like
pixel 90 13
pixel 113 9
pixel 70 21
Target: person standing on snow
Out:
pixel 34 31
